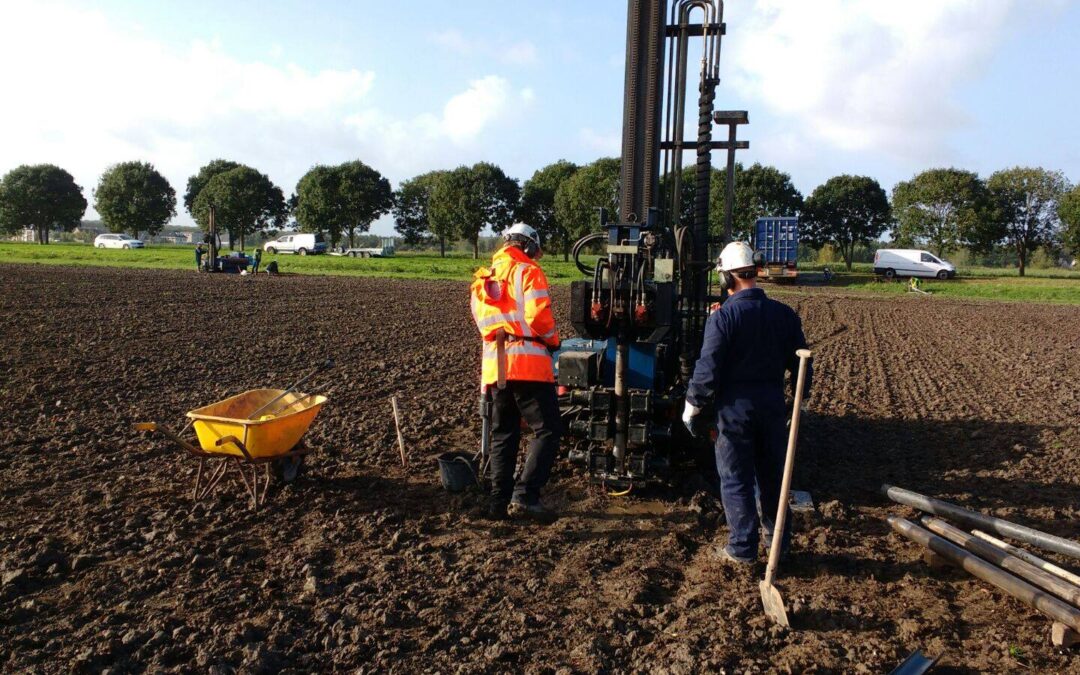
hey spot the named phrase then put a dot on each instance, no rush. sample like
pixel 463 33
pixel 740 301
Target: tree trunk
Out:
pixel 1022 251
pixel 566 248
pixel 442 247
pixel 351 244
pixel 241 240
pixel 476 249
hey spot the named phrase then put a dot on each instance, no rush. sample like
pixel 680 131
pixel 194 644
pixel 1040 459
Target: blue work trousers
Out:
pixel 750 449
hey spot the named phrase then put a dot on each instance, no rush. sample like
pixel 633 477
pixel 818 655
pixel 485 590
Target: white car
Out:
pixel 911 262
pixel 117 241
pixel 301 243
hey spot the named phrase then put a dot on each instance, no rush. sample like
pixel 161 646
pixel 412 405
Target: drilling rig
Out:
pixel 641 311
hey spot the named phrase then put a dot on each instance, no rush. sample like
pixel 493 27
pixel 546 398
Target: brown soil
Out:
pixel 359 564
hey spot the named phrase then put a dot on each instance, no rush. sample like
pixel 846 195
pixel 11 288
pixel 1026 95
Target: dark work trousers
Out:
pixel 538 404
pixel 750 450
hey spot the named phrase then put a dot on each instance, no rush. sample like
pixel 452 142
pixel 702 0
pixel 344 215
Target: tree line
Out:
pixel 1021 208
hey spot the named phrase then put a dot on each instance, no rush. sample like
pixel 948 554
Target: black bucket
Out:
pixel 457 471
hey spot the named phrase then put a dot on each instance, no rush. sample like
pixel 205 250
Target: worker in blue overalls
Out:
pixel 749 343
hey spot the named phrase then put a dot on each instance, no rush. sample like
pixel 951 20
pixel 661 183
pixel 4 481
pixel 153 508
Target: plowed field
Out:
pixel 363 565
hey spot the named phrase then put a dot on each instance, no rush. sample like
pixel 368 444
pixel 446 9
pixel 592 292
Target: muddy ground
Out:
pixel 106 564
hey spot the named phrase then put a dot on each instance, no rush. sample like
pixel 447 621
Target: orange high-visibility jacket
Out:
pixel 513 295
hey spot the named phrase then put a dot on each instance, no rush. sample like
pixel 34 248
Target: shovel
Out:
pixel 312 373
pixel 770 595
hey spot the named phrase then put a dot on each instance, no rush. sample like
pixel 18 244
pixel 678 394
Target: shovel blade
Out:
pixel 773 603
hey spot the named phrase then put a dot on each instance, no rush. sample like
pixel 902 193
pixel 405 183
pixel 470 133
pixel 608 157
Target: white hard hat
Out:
pixel 736 256
pixel 523 230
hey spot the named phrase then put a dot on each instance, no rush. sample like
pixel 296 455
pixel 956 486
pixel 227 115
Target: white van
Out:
pixel 301 243
pixel 911 262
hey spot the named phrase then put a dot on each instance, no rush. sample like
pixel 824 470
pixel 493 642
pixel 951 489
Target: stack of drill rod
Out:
pixel 1036 582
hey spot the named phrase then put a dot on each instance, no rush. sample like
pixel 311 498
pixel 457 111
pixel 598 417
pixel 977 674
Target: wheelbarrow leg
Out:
pixel 215 478
pixel 198 479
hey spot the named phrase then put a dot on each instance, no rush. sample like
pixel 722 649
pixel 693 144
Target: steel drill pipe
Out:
pixel 977 567
pixel 1027 556
pixel 990 553
pixel 974 519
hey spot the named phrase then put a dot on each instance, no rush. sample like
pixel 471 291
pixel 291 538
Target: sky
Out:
pixel 871 87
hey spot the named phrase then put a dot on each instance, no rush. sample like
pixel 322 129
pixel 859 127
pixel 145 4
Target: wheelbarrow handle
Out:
pixel 170 434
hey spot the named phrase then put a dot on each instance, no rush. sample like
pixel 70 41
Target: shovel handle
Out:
pixel 789 466
pixel 329 363
pixel 500 358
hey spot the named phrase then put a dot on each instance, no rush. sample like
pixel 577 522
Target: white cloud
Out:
pixel 90 92
pixel 521 54
pixel 867 75
pixel 467 113
pixel 453 40
pixel 602 144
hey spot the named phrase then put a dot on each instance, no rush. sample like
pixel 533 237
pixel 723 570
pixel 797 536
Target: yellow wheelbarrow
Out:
pixel 256 429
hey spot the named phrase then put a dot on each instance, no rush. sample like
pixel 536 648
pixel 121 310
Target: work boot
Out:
pixel 537 512
pixel 725 555
pixel 767 541
pixel 497 511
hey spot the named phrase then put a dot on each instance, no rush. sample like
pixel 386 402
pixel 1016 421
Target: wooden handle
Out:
pixel 789 466
pixel 500 358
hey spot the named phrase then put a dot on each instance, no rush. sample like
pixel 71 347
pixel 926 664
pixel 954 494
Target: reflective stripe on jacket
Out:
pixel 513 295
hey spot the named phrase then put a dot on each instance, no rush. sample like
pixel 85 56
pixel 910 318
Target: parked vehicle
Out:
pixel 301 243
pixel 384 250
pixel 911 262
pixel 777 239
pixel 117 241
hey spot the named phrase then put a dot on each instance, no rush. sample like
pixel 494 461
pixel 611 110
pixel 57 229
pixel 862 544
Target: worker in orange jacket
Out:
pixel 511 298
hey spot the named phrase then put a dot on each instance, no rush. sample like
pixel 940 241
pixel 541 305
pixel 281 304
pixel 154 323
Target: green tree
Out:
pixel 411 209
pixel 537 206
pixel 196 183
pixel 41 197
pixel 579 197
pixel 133 197
pixel 466 200
pixel 364 196
pixel 245 202
pixel 760 191
pixel 1026 201
pixel 942 207
pixel 1069 213
pixel 845 211
pixel 317 205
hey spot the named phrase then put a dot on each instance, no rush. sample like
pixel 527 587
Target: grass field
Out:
pixel 1055 286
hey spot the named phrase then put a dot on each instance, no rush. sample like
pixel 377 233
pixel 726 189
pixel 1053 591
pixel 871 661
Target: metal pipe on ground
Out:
pixel 1027 556
pixel 977 567
pixel 990 553
pixel 974 519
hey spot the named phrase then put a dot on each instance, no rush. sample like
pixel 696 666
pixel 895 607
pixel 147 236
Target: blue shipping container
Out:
pixel 778 238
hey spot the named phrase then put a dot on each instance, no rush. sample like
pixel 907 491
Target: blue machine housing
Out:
pixel 641 374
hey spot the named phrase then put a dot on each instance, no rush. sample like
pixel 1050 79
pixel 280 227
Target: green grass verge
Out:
pixel 1054 286
pixel 404 266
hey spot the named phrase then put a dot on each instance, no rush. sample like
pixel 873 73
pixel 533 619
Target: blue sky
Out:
pixel 833 86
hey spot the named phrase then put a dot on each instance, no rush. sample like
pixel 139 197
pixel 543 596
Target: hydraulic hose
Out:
pixel 582 243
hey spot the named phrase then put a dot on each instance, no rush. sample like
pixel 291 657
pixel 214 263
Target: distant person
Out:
pixel 255 260
pixel 749 343
pixel 198 257
pixel 272 267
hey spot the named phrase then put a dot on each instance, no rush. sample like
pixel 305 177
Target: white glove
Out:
pixel 689 412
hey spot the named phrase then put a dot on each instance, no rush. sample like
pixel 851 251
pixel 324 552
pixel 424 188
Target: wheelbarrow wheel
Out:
pixel 287 469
